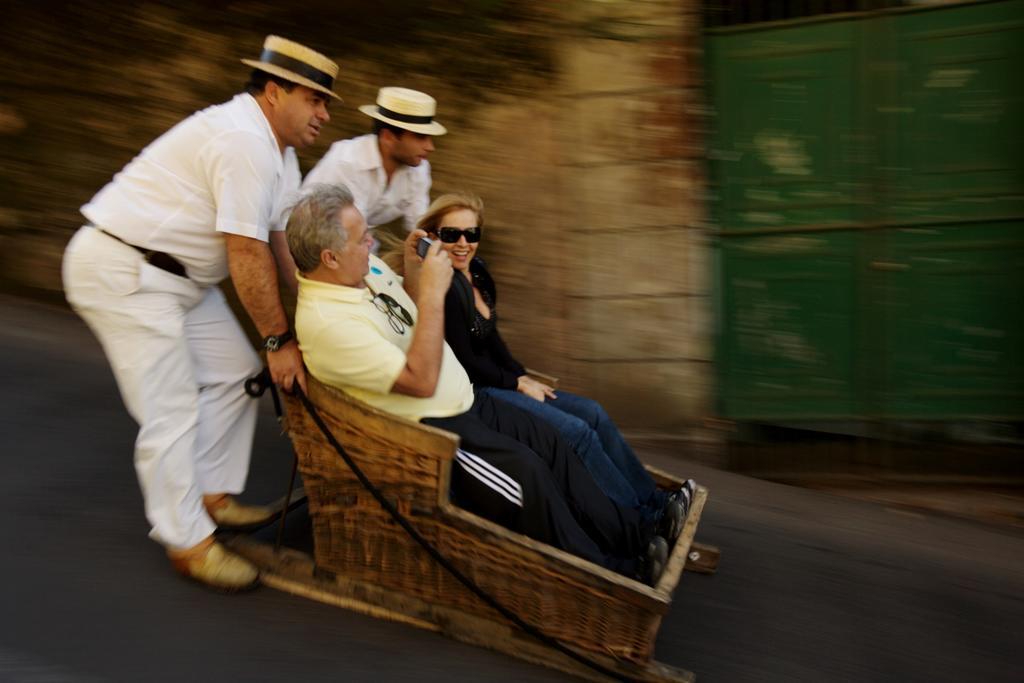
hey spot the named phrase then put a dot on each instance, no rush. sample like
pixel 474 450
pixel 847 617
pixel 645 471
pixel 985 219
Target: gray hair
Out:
pixel 314 224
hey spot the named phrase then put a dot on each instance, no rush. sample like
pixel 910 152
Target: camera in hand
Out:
pixel 422 244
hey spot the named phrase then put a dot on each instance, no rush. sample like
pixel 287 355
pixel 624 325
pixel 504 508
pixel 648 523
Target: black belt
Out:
pixel 157 259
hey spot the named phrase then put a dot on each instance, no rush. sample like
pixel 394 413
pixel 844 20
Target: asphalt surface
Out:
pixel 811 587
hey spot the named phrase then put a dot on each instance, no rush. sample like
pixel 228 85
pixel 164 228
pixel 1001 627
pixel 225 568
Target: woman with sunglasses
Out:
pixel 471 329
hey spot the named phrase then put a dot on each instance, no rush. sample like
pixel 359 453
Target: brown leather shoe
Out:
pixel 211 564
pixel 228 513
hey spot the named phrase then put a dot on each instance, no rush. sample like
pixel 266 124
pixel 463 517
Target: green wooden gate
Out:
pixel 868 175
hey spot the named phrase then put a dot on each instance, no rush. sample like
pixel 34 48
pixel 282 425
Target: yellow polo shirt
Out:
pixel 349 343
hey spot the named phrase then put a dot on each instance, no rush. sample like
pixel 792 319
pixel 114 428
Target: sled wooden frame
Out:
pixel 365 562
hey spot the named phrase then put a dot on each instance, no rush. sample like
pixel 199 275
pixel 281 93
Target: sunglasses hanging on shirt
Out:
pixel 451 235
pixel 398 316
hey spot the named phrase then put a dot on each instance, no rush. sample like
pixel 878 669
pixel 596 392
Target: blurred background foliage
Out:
pixel 578 122
pixel 86 85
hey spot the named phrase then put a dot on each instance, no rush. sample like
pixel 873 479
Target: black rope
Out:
pixel 441 559
pixel 255 387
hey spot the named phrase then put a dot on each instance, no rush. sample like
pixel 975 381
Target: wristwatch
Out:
pixel 275 341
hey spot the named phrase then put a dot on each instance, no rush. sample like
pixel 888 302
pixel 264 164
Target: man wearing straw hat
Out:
pixel 192 208
pixel 387 170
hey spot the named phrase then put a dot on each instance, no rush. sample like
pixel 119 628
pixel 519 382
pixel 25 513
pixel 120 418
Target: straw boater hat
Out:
pixel 296 63
pixel 409 109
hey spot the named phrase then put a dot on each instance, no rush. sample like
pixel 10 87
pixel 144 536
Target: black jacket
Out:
pixel 481 351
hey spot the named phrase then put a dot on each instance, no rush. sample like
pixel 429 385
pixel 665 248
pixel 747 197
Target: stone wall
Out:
pixel 579 123
pixel 633 168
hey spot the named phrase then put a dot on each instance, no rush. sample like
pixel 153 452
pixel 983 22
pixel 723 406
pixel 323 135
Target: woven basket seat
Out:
pixel 592 610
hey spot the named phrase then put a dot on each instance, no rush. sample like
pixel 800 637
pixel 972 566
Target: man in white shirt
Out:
pixel 194 206
pixel 387 171
pixel 288 192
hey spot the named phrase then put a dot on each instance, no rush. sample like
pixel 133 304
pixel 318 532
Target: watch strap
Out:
pixel 276 341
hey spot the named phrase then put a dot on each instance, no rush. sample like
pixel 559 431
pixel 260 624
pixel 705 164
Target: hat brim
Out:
pixel 290 76
pixel 432 128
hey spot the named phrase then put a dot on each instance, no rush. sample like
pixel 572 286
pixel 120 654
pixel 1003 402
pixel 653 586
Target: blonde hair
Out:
pixel 445 204
pixel 391 251
pixel 392 248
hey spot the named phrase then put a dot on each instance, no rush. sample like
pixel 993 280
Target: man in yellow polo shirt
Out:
pixel 380 337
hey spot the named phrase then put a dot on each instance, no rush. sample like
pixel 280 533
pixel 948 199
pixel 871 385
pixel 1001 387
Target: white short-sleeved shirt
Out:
pixel 348 342
pixel 357 164
pixel 218 171
pixel 287 191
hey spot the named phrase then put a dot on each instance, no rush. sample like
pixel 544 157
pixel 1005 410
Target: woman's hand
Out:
pixel 534 389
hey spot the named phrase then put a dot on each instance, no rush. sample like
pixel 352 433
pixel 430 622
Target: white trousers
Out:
pixel 180 359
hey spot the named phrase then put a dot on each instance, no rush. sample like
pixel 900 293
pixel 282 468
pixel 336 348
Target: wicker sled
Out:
pixel 366 562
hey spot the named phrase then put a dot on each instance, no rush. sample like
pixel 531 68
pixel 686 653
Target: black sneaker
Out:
pixel 686 493
pixel 652 562
pixel 672 515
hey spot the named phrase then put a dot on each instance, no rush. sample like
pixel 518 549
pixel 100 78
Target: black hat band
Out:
pixel 322 79
pixel 404 118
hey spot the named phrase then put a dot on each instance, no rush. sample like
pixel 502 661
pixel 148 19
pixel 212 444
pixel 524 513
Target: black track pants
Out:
pixel 541 488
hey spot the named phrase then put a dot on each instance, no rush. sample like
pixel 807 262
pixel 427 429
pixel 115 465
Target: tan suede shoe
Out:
pixel 228 513
pixel 211 564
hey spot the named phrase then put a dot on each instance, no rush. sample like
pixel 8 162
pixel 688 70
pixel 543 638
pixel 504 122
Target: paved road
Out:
pixel 811 587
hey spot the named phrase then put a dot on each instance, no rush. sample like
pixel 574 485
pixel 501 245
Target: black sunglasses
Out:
pixel 452 235
pixel 398 316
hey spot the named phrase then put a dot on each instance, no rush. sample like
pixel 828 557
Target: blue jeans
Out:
pixel 583 423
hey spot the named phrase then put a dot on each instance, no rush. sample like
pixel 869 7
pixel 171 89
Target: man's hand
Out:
pixel 423 359
pixel 286 367
pixel 409 246
pixel 534 389
pixel 411 262
pixel 435 273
